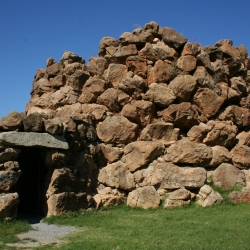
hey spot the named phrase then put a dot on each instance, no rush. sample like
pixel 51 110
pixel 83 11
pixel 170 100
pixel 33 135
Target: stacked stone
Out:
pixel 152 116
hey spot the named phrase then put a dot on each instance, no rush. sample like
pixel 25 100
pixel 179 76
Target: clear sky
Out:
pixel 32 31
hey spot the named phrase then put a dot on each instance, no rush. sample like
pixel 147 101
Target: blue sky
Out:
pixel 32 31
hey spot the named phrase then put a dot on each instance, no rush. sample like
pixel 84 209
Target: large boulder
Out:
pixel 162 131
pixel 178 198
pixel 187 63
pixel 138 65
pixel 115 73
pixel 117 129
pixel 9 154
pixel 109 196
pixel 113 99
pixel 144 197
pixel 223 133
pixel 58 204
pixel 169 176
pixel 9 175
pixel 198 132
pixel 139 153
pixel 220 155
pixel 13 121
pixel 8 205
pixel 187 152
pixel 208 197
pixel 91 90
pixel 97 66
pixel 33 123
pixel 208 101
pixel 160 95
pixel 31 139
pixel 183 115
pixel 117 175
pixel 172 38
pixel 160 73
pixel 140 112
pixel 241 156
pixel 228 176
pixel 183 87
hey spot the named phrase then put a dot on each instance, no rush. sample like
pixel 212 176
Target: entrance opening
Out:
pixel 30 185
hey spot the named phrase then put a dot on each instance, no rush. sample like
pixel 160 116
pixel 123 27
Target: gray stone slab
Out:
pixel 31 139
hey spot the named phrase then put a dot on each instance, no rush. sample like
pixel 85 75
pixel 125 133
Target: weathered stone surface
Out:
pixel 230 51
pixel 172 38
pixel 117 129
pixel 114 99
pixel 115 72
pixel 33 123
pixel 45 113
pixel 160 95
pixel 178 198
pixel 58 81
pixel 186 63
pixel 202 76
pixel 110 196
pixel 241 156
pixel 8 205
pixel 162 131
pixel 198 133
pixel 64 96
pixel 69 110
pixel 140 112
pixel 238 115
pixel 98 111
pixel 243 138
pixel 238 84
pixel 105 43
pixel 13 121
pixel 54 126
pixel 70 57
pixel 58 204
pixel 40 87
pixel 208 101
pixel 140 153
pixel 122 52
pixel 220 155
pixel 222 133
pixel 164 52
pixel 9 154
pixel 117 175
pixel 97 66
pixel 54 69
pixel 228 176
pixel 169 176
pixel 183 115
pixel 183 87
pixel 111 154
pixel 186 151
pixel 160 73
pixel 208 197
pixel 191 49
pixel 24 139
pixel 78 79
pixel 9 175
pixel 144 197
pixel 132 84
pixel 91 90
pixel 137 37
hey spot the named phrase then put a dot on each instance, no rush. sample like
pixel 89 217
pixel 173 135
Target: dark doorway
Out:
pixel 30 185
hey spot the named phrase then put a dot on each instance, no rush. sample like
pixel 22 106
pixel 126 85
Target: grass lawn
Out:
pixel 9 230
pixel 219 227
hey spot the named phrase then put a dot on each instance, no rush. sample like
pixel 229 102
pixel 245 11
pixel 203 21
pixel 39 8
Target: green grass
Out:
pixel 219 227
pixel 9 230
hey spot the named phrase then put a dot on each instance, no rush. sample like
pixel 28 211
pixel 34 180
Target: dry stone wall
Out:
pixel 152 116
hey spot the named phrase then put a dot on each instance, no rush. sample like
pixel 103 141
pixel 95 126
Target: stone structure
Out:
pixel 148 118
